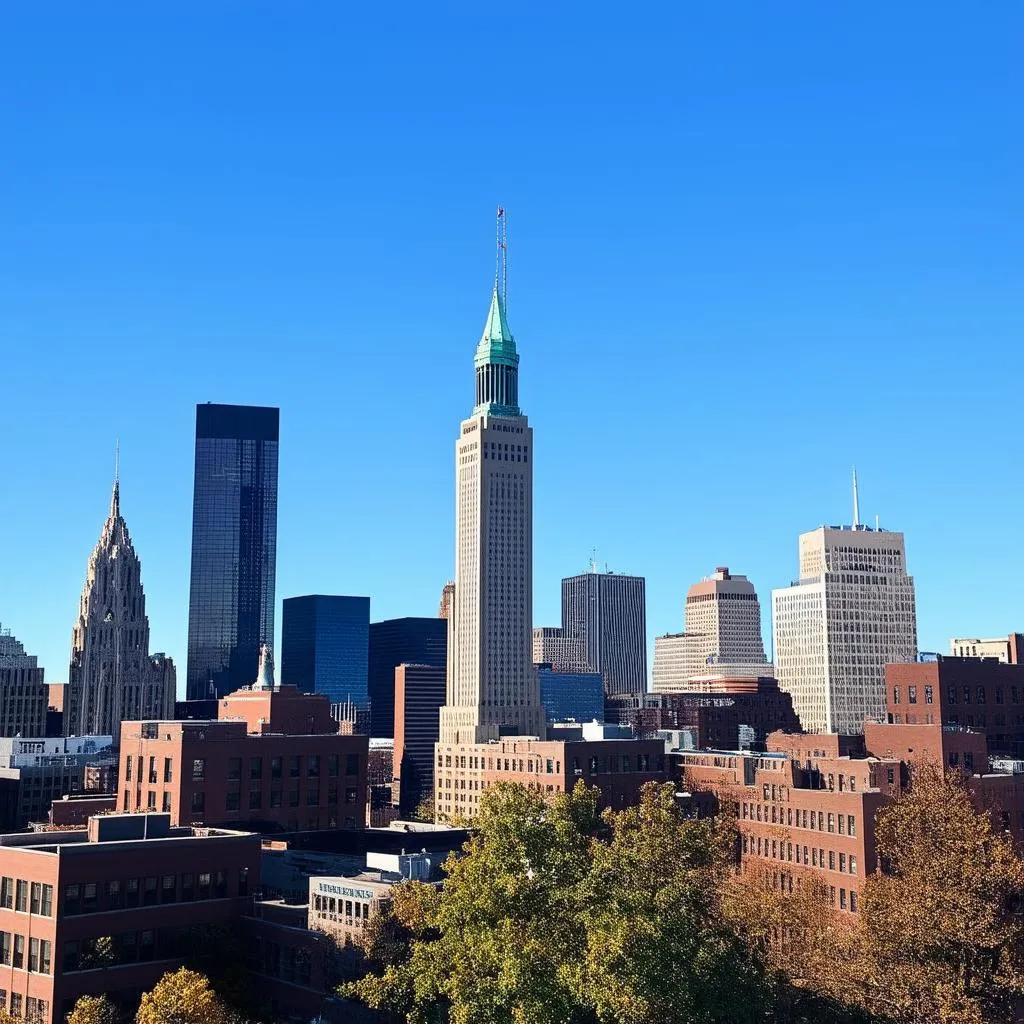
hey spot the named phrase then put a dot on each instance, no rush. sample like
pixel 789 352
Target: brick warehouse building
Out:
pixel 796 820
pixel 982 694
pixel 109 908
pixel 272 760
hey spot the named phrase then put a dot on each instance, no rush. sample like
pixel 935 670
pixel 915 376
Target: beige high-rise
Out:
pixel 851 612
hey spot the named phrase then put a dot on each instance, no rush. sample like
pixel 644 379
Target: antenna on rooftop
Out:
pixel 501 255
pixel 856 502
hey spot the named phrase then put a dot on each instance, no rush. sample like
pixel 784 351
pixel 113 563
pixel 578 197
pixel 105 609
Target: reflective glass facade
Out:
pixel 234 547
pixel 413 641
pixel 325 648
pixel 571 696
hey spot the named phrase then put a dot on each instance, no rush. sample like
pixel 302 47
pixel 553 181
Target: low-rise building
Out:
pixel 108 909
pixel 272 760
pixel 1007 649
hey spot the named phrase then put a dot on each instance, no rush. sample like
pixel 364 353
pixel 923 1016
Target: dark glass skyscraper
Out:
pixel 325 648
pixel 413 641
pixel 234 546
pixel 609 612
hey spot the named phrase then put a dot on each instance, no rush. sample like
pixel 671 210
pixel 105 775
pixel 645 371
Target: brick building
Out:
pixel 796 821
pixel 981 694
pixel 272 760
pixel 121 895
pixel 618 767
pixel 713 714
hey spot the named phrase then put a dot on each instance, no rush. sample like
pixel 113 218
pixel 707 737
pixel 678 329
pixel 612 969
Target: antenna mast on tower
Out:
pixel 856 502
pixel 501 255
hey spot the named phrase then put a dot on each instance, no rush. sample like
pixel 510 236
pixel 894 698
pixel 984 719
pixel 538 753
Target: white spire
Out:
pixel 265 676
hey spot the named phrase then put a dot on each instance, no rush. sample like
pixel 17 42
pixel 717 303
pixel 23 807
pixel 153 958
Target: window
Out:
pixel 16 1003
pixel 72 899
pixel 6 892
pixel 841 823
pixel 114 895
pixel 188 887
pixel 968 761
pixel 46 907
pixel 19 951
pixel 275 798
pixel 295 766
pixel 234 769
pixel 842 899
pixel 147 945
pixel 37 897
pixel 198 801
pixel 167 802
pixel 198 769
pixel 131 892
pixel 128 769
pixel 33 955
pixel 951 695
pixel 890 776
pixel 168 770
pixel 967 695
pixel 168 889
pixel 255 767
pixel 233 800
pixel 842 862
pixel 831 822
pixel 151 801
pixel 243 881
pixel 895 695
pixel 255 799
pixel 851 825
pixel 293 798
pixel 981 694
pixel 276 766
pixel 21 902
pixel 149 891
pixel 204 885
pixel 831 860
pixel 312 796
pixel 853 901
pixel 928 699
pixel 220 885
pixel 332 793
pixel 5 948
pixel 853 864
pixel 333 764
pixel 911 694
pixel 313 765
pixel 351 795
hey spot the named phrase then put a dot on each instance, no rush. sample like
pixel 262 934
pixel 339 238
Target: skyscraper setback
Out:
pixel 112 676
pixel 234 546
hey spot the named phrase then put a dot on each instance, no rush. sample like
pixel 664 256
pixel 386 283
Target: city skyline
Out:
pixel 757 218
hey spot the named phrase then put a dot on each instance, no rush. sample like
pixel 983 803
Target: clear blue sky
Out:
pixel 751 244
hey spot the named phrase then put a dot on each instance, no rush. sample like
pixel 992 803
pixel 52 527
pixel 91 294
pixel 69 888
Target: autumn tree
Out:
pixel 182 997
pixel 94 1010
pixel 555 914
pixel 942 931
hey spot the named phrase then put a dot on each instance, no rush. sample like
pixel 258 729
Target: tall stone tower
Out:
pixel 112 676
pixel 492 686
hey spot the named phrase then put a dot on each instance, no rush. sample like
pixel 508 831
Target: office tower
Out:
pixel 563 653
pixel 447 597
pixel 722 627
pixel 571 696
pixel 849 614
pixel 1007 649
pixel 493 687
pixel 415 641
pixel 234 546
pixel 112 676
pixel 325 649
pixel 418 699
pixel 609 612
pixel 24 697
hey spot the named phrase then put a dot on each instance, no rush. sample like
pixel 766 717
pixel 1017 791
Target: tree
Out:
pixel 942 931
pixel 182 997
pixel 558 915
pixel 94 1010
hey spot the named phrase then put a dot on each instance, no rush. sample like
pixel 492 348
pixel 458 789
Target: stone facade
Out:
pixel 112 676
pixel 23 695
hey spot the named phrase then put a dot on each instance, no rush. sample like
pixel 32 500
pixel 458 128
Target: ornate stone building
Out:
pixel 113 677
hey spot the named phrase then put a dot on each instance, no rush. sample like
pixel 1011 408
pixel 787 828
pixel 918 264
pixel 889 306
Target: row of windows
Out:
pixel 552 766
pixel 980 693
pixel 85 897
pixel 255 767
pixel 125 948
pixel 12 953
pixel 333 908
pixel 233 798
pixel 33 1009
pixel 779 850
pixel 22 896
pixel 842 824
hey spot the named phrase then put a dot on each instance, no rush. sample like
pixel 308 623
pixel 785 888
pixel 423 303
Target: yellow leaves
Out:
pixel 181 997
pixel 94 1010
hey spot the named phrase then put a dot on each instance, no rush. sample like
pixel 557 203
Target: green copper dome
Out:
pixel 497 346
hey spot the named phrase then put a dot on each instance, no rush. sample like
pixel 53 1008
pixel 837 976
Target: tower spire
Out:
pixel 115 498
pixel 856 502
pixel 501 256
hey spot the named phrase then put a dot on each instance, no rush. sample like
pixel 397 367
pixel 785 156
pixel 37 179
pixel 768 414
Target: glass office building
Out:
pixel 410 640
pixel 325 642
pixel 571 696
pixel 234 547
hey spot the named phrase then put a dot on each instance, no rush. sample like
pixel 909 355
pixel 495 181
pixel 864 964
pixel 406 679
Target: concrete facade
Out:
pixel 851 613
pixel 24 697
